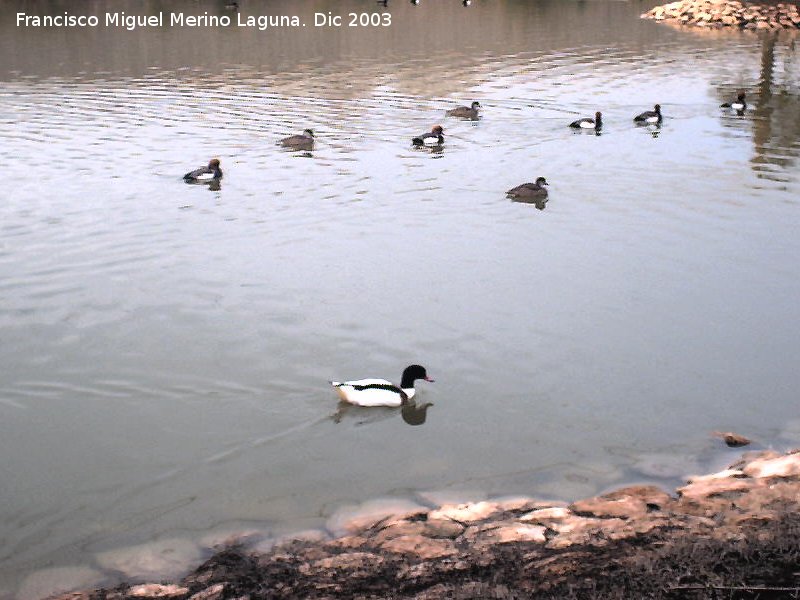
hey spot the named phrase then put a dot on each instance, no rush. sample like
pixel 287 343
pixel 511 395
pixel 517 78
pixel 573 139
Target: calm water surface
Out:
pixel 165 349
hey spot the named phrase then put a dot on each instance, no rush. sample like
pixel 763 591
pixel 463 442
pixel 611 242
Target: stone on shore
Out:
pixel 728 13
pixel 714 525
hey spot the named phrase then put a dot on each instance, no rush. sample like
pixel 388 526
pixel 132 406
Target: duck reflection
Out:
pixel 413 413
pixel 539 203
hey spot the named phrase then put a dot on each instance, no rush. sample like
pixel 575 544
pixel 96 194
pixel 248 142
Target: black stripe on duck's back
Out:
pixel 433 137
pixel 375 386
pixel 208 173
pixel 649 116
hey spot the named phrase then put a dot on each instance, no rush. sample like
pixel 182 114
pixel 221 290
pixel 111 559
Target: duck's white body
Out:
pixel 737 105
pixel 380 392
pixel 587 124
pixel 372 392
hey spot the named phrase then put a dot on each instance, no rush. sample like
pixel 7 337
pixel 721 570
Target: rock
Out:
pixel 702 490
pixel 545 515
pixel 732 440
pixel 782 466
pixel 466 513
pixel 627 503
pixel 356 564
pixel 421 546
pixel 215 592
pixel 700 13
pixel 720 475
pixel 355 518
pixel 156 590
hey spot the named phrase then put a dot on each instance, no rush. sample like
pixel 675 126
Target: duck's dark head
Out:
pixel 213 164
pixel 308 132
pixel 740 97
pixel 657 108
pixel 476 105
pixel 411 374
pixel 598 117
pixel 540 181
pixel 437 130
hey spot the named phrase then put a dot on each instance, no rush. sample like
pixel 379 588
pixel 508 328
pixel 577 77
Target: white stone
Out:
pixel 784 466
pixel 354 518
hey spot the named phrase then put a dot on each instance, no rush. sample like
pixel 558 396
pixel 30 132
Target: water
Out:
pixel 166 348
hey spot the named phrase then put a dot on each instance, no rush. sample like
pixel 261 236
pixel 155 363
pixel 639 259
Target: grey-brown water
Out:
pixel 165 348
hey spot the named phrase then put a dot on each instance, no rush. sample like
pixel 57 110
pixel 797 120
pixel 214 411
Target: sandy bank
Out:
pixel 735 533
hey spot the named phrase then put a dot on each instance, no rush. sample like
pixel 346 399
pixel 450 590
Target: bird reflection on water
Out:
pixel 412 413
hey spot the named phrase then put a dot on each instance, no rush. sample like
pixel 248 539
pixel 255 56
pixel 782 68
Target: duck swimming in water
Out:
pixel 304 141
pixel 587 123
pixel 380 392
pixel 650 117
pixel 205 174
pixel 530 191
pixel 739 105
pixel 465 112
pixel 435 137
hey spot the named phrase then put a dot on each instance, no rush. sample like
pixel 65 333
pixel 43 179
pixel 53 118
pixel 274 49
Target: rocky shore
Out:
pixel 728 13
pixel 731 534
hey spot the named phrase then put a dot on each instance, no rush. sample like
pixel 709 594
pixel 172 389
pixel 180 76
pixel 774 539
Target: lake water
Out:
pixel 165 348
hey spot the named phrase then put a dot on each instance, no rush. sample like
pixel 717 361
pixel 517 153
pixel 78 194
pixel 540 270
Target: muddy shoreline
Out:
pixel 731 534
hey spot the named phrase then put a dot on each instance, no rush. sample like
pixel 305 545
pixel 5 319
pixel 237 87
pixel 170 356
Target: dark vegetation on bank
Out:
pixel 763 563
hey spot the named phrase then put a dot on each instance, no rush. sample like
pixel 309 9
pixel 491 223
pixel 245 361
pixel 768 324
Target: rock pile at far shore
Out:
pixel 728 13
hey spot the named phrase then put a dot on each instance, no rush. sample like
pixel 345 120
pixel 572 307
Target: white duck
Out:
pixel 380 392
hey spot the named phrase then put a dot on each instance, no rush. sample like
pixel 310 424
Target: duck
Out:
pixel 465 112
pixel 380 392
pixel 738 105
pixel 304 141
pixel 434 137
pixel 530 191
pixel 650 116
pixel 205 174
pixel 587 123
pixel 231 5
